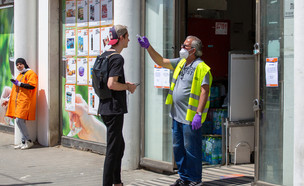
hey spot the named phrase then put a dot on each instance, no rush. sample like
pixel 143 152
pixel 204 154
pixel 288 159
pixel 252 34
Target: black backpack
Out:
pixel 100 77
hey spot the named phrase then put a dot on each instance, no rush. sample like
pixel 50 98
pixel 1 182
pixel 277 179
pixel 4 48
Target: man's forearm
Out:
pixel 119 86
pixel 203 98
pixel 158 59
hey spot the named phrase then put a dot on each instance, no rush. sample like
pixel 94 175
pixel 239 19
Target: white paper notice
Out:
pixel 105 38
pixel 70 16
pixel 94 12
pixel 71 71
pixel 70 42
pixel 161 77
pixel 82 71
pixel 94 42
pixel 82 13
pixel 83 42
pixel 271 70
pixel 91 64
pixel 93 101
pixel 221 28
pixel 70 97
pixel 106 12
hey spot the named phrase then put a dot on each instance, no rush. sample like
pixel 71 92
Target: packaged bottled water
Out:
pixel 208 150
pixel 214 157
pixel 219 146
pixel 217 121
pixel 204 148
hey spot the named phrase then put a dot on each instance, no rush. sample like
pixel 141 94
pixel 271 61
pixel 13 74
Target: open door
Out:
pixel 269 103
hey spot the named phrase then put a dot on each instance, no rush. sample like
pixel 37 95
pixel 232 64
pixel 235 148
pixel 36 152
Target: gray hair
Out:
pixel 197 44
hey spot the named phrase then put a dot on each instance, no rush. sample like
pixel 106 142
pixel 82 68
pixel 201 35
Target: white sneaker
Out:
pixel 27 145
pixel 18 146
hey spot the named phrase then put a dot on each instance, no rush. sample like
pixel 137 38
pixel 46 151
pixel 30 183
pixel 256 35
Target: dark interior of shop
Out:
pixel 224 26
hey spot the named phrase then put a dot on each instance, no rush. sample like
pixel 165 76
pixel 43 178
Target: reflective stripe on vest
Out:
pixel 176 72
pixel 200 72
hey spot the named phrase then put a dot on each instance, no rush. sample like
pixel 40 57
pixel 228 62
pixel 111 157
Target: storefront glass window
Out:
pixel 160 31
pixel 7 64
pixel 288 121
pixel 85 35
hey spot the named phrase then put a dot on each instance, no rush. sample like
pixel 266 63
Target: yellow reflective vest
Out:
pixel 200 72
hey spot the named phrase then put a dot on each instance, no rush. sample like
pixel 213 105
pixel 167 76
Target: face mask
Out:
pixel 183 53
pixel 23 70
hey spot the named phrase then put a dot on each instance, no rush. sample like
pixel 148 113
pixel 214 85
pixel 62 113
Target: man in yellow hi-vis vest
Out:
pixel 189 96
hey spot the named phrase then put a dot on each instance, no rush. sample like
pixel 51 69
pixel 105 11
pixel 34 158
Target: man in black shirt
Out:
pixel 112 110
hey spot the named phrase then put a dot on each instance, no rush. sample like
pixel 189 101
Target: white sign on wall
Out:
pixel 271 70
pixel 221 28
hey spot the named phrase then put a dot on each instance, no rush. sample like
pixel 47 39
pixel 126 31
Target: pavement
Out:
pixel 65 166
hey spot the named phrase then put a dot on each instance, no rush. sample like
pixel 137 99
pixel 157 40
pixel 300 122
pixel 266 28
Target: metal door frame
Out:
pixel 158 166
pixel 257 91
pixel 258 94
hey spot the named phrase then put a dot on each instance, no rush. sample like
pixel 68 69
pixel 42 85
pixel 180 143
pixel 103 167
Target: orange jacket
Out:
pixel 22 102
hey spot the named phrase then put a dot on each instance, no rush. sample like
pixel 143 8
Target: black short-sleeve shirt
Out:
pixel 117 104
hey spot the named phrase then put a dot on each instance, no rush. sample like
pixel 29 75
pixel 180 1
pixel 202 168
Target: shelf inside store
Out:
pixel 213 135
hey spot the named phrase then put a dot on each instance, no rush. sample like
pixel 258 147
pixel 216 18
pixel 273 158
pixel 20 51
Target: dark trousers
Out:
pixel 115 149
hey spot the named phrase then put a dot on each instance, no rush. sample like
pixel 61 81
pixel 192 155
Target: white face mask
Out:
pixel 183 53
pixel 23 70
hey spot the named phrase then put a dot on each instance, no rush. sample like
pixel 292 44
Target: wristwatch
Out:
pixel 199 113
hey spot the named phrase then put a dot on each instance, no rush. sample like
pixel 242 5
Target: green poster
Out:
pixel 6 58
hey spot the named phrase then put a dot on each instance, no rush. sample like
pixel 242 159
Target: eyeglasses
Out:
pixel 186 46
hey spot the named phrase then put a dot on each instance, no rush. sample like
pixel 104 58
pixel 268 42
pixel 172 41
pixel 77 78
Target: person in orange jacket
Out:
pixel 22 102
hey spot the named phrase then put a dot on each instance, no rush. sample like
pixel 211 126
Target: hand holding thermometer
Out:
pixel 143 41
pixel 138 36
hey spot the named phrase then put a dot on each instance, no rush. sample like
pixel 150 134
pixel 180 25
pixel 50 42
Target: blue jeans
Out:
pixel 187 148
pixel 23 129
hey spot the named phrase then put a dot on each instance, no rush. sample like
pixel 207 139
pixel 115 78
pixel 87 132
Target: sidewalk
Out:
pixel 64 166
pixel 56 166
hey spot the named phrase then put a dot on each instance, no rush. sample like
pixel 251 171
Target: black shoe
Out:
pixel 193 183
pixel 179 182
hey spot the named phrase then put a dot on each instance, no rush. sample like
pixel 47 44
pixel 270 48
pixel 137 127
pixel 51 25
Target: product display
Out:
pixel 104 11
pixel 93 101
pixel 82 13
pixel 70 16
pixel 85 25
pixel 69 97
pixel 212 150
pixel 83 42
pixel 92 13
pixel 81 71
pixel 70 42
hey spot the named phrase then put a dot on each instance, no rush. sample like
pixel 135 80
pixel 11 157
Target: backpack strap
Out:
pixel 111 55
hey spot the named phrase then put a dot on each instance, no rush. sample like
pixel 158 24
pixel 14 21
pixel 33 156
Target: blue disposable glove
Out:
pixel 196 122
pixel 16 82
pixel 144 42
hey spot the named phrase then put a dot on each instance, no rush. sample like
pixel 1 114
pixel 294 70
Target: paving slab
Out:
pixel 66 166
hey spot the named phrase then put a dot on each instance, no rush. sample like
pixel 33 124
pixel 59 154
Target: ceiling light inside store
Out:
pixel 200 9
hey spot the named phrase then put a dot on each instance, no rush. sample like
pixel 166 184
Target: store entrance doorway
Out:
pixel 227 30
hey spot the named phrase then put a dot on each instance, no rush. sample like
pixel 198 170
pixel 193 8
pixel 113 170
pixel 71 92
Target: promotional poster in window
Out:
pixel 7 64
pixel 85 35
